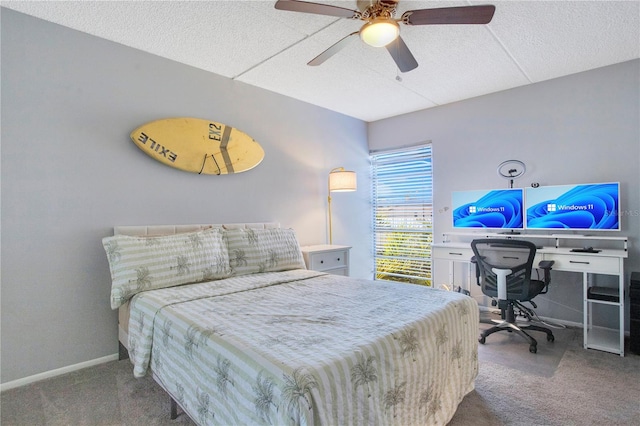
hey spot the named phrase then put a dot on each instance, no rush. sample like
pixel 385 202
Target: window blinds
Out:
pixel 402 209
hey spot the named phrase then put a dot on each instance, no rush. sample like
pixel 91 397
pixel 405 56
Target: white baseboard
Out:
pixel 57 372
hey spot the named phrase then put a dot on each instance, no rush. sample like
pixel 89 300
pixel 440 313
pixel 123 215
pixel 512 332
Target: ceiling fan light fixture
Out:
pixel 379 32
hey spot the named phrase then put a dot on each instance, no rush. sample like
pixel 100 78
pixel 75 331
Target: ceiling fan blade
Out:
pixel 332 50
pixel 317 8
pixel 450 15
pixel 402 55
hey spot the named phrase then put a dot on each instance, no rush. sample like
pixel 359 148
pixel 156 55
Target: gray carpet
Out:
pixel 104 395
pixel 562 384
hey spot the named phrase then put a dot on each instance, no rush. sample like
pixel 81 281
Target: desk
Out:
pixel 606 262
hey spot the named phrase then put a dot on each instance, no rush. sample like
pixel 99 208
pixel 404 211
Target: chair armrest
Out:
pixel 546 264
pixel 475 262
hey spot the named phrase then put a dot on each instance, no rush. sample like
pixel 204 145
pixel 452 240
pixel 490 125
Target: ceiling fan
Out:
pixel 381 28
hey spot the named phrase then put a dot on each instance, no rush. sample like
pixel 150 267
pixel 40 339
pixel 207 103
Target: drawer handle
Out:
pixel 577 261
pixel 457 254
pixel 322 261
pixel 338 259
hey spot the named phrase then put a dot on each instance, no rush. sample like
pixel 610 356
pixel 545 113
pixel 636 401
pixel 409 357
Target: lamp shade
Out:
pixel 379 32
pixel 342 181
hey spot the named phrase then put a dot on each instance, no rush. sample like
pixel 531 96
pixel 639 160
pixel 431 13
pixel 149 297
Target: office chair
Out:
pixel 503 270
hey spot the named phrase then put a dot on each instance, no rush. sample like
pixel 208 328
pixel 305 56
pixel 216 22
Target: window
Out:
pixel 402 214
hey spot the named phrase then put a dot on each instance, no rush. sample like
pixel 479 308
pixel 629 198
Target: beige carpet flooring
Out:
pixel 562 384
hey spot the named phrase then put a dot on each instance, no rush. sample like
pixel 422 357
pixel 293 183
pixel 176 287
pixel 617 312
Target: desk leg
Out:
pixel 621 307
pixel 586 319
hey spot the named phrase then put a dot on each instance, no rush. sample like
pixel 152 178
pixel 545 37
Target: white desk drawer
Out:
pixel 585 263
pixel 452 253
pixel 329 260
pixel 465 255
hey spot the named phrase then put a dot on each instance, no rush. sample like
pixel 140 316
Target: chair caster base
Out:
pixel 513 327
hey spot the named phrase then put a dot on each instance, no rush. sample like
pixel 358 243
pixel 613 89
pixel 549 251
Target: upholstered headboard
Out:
pixel 138 230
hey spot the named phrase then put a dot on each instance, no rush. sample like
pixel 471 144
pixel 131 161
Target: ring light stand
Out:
pixel 511 169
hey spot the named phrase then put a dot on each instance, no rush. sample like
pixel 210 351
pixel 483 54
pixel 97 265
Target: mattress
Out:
pixel 303 347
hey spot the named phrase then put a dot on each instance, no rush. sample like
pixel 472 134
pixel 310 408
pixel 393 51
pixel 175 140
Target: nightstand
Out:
pixel 332 259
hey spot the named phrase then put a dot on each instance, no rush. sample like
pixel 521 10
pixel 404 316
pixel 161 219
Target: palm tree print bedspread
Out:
pixel 305 348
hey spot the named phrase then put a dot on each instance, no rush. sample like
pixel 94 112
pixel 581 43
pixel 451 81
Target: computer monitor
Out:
pixel 592 207
pixel 492 209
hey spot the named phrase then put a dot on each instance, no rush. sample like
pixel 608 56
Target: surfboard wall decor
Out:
pixel 198 146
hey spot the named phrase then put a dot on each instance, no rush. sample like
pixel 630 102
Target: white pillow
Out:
pixel 263 250
pixel 145 263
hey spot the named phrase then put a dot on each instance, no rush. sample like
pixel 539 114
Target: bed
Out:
pixel 232 326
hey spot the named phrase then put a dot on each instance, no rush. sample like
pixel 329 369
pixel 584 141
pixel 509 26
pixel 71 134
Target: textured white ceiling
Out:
pixel 252 42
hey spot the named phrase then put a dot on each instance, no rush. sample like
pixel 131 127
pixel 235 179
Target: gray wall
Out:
pixel 70 173
pixel 581 128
